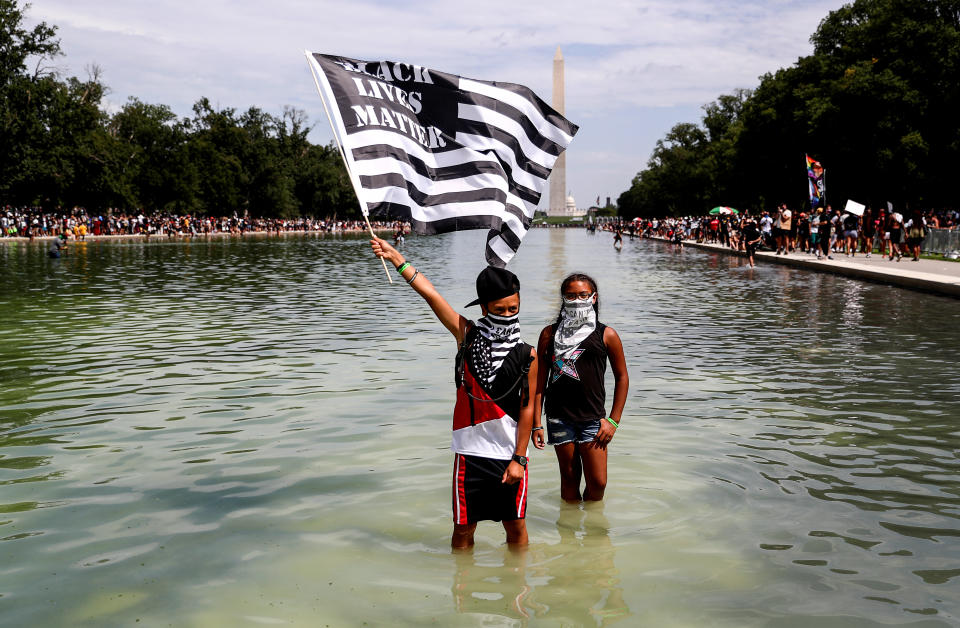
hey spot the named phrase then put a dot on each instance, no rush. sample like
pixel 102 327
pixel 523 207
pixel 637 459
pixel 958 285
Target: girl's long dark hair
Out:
pixel 578 277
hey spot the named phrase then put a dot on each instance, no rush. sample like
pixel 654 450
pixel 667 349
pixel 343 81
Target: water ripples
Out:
pixel 230 432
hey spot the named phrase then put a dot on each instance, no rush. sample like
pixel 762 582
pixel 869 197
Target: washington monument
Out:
pixel 558 178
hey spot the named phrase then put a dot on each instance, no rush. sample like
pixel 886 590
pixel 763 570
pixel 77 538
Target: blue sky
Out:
pixel 633 69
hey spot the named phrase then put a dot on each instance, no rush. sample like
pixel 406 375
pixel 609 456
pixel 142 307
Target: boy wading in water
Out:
pixel 751 240
pixel 496 376
pixel 577 348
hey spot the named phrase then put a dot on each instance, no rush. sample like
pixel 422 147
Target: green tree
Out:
pixel 51 142
pixel 876 103
pixel 675 180
pixel 724 180
pixel 24 97
pixel 270 182
pixel 61 149
pixel 155 161
pixel 215 148
pixel 17 44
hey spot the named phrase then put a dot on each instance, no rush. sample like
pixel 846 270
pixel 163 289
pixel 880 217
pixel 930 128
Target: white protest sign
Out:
pixel 854 208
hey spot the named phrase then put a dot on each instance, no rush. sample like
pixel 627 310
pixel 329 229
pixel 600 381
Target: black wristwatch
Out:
pixel 520 460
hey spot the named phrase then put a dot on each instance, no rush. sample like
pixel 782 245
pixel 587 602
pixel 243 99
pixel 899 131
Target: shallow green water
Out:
pixel 234 433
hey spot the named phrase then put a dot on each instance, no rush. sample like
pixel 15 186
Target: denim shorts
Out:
pixel 561 431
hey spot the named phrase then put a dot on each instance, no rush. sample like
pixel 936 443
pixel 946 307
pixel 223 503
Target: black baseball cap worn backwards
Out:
pixel 495 283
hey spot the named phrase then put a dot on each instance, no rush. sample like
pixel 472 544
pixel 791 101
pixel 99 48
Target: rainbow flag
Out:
pixel 815 180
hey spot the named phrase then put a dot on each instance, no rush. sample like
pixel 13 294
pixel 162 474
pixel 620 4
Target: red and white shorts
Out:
pixel 479 493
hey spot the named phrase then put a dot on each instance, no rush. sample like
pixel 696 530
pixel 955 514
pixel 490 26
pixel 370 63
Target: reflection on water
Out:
pixel 233 432
pixel 572 582
pixel 580 567
pixel 491 585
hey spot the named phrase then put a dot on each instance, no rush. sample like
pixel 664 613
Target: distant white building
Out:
pixel 569 209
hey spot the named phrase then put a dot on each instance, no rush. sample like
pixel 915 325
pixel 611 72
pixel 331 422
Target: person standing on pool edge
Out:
pixel 496 374
pixel 571 389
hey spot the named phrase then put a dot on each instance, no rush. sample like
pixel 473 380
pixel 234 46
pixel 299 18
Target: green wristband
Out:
pixel 402 267
pixel 613 422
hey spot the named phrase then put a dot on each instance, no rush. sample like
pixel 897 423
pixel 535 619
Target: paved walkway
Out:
pixel 939 276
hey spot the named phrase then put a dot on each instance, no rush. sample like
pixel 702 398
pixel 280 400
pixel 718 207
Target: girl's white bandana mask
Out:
pixel 578 320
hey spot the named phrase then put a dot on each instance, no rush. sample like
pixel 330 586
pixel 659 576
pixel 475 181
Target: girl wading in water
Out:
pixel 577 348
pixel 496 375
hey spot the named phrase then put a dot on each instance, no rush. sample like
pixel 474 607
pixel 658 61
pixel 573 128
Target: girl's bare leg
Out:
pixel 571 471
pixel 594 471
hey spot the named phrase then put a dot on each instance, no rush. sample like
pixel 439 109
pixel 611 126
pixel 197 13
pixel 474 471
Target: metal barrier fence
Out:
pixel 941 241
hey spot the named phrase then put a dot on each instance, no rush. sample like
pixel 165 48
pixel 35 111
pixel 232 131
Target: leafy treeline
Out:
pixel 877 103
pixel 60 149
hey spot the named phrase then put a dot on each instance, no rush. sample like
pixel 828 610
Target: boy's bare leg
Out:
pixel 463 535
pixel 516 532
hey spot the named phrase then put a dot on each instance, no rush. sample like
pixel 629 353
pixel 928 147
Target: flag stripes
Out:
pixel 488 110
pixel 522 183
pixel 481 136
pixel 444 152
pixel 528 104
pixel 380 158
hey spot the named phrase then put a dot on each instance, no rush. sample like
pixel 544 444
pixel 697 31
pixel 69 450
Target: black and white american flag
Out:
pixel 445 152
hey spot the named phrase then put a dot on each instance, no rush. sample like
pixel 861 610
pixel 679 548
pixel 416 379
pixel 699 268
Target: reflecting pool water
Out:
pixel 229 432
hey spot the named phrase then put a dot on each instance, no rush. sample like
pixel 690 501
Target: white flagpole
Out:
pixel 354 180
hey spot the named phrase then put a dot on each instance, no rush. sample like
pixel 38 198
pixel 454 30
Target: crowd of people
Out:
pixel 822 232
pixel 78 223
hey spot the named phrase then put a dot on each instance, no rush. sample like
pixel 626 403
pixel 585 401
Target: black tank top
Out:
pixel 575 389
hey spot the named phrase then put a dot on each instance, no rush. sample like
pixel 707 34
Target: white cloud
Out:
pixel 624 60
